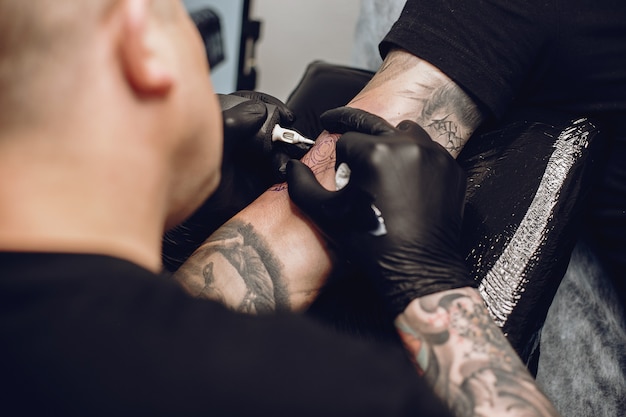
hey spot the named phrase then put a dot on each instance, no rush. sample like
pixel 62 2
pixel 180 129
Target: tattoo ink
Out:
pixel 320 158
pixel 253 266
pixel 474 370
pixel 448 130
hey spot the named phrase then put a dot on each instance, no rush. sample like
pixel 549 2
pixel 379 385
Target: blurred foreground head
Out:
pixel 118 81
pixel 117 68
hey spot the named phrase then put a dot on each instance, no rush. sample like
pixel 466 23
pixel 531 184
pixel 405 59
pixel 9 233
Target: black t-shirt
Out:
pixel 88 335
pixel 559 55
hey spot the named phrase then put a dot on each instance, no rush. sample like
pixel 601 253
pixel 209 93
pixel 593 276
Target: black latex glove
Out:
pixel 244 120
pixel 411 248
pixel 277 153
pixel 246 173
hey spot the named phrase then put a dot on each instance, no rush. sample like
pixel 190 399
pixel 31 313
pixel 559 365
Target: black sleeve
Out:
pixel 486 47
pixel 565 56
pixel 116 340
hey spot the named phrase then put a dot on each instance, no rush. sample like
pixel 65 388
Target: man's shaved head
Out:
pixel 37 37
pixel 37 23
pixel 108 116
pixel 42 39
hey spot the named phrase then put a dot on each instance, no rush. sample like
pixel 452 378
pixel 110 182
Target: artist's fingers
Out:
pixel 241 122
pixel 345 119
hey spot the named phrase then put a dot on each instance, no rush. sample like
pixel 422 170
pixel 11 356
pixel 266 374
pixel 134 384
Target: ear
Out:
pixel 141 54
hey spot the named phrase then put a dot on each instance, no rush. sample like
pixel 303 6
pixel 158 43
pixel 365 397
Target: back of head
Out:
pixel 40 39
pixel 92 92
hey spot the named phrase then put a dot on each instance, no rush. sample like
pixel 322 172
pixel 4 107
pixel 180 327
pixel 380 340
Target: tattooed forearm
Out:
pixel 236 267
pixel 464 355
pixel 450 117
pixel 407 87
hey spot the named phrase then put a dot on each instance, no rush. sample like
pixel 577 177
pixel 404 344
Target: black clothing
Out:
pixel 88 335
pixel 519 259
pixel 562 56
pixel 568 56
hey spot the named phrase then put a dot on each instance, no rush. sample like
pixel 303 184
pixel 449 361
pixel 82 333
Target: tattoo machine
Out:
pixel 271 131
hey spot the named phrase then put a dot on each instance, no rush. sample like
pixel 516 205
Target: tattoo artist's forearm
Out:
pixel 407 87
pixel 467 359
pixel 236 267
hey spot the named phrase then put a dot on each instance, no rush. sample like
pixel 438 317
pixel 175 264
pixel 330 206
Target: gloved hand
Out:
pixel 244 118
pixel 246 173
pixel 399 217
pixel 259 146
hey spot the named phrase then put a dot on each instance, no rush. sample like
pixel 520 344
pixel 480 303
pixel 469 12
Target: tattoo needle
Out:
pixel 281 134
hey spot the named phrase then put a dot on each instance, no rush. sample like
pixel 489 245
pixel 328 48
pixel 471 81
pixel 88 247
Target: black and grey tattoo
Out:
pixel 449 114
pixel 441 107
pixel 236 267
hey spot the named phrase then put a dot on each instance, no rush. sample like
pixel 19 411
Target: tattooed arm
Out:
pixel 234 266
pixel 268 256
pixel 409 88
pixel 406 87
pixel 466 358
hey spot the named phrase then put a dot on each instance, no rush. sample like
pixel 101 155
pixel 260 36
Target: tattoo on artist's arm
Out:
pixel 236 267
pixel 415 90
pixel 465 357
pixel 450 117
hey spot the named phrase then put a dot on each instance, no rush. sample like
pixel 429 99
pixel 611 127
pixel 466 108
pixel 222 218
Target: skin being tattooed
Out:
pixel 321 159
pixel 454 342
pixel 236 267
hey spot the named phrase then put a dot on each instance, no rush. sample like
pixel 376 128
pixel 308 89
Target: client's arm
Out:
pixel 268 256
pixel 290 260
